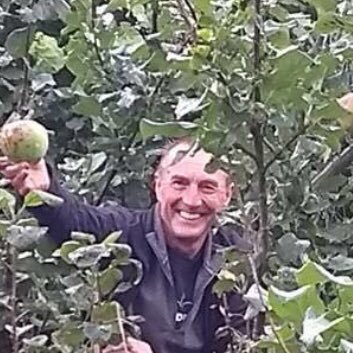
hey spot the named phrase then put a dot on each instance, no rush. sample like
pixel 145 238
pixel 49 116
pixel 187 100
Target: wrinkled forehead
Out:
pixel 184 159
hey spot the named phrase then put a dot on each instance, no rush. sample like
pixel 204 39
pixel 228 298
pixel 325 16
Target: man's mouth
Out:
pixel 190 216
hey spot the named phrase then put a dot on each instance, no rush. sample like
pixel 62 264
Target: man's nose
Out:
pixel 191 196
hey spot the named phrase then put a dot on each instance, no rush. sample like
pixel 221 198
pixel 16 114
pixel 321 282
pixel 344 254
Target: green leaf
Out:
pixel 270 340
pixel 16 42
pixel 83 238
pixel 62 8
pixel 88 256
pixel 7 200
pixel 36 341
pixel 4 226
pixel 291 249
pixel 340 263
pixel 106 312
pixel 25 238
pixel 149 128
pixel 203 6
pixel 188 105
pixel 47 54
pixel 314 326
pixel 288 67
pixel 112 238
pixel 345 296
pixel 114 5
pixel 225 282
pixel 38 197
pixel 67 248
pixel 257 298
pixel 109 279
pixel 311 273
pixel 88 106
pixel 122 252
pixel 346 346
pixel 292 305
pixel 81 296
pixel 69 337
pixel 323 5
pixel 97 333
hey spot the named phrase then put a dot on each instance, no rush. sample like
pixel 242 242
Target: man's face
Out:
pixel 188 196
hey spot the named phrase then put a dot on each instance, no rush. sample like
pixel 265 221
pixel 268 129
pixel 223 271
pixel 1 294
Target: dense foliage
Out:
pixel 255 81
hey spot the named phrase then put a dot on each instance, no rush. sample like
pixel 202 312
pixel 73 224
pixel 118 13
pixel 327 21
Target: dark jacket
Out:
pixel 154 297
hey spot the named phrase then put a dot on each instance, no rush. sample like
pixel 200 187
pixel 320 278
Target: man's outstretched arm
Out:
pixel 72 214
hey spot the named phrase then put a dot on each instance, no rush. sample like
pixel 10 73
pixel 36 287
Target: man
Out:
pixel 173 240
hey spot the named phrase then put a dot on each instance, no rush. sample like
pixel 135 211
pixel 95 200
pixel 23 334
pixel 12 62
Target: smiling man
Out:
pixel 174 241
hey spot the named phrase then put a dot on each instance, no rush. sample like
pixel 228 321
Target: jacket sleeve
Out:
pixel 75 215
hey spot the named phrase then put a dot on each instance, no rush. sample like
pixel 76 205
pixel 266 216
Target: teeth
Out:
pixel 189 216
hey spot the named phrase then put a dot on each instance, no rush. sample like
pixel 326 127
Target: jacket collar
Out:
pixel 218 239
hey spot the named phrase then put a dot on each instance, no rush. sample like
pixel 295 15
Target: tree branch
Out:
pixel 184 14
pixel 115 170
pixel 256 128
pixel 155 12
pixel 14 301
pixel 262 300
pixel 336 166
pixel 107 75
pixel 245 151
pixel 285 147
pixel 93 24
pixel 228 321
pixel 191 9
pixel 23 100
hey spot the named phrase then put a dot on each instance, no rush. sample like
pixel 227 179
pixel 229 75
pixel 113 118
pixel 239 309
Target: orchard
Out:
pixel 264 85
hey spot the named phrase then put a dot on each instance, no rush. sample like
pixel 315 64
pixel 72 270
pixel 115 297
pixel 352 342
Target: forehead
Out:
pixel 183 161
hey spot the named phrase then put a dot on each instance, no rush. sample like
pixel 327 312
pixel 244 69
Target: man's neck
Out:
pixel 189 247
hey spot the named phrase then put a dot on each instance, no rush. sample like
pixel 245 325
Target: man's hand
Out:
pixel 132 346
pixel 24 176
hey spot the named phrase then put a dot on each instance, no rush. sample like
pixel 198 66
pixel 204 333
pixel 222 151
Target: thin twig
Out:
pixel 269 145
pixel 334 167
pixel 191 9
pixel 95 40
pixel 259 290
pixel 122 330
pixel 14 301
pixel 152 96
pixel 8 267
pixel 256 128
pixel 106 73
pixel 155 12
pixel 184 14
pixel 24 93
pixel 114 171
pixel 245 150
pixel 285 147
pixel 228 321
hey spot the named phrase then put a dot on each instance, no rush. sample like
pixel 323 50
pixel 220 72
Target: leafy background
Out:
pixel 255 81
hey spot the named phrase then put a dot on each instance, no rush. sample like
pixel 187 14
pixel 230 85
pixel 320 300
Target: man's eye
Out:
pixel 178 184
pixel 208 189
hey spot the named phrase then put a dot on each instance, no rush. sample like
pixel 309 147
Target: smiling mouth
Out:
pixel 190 216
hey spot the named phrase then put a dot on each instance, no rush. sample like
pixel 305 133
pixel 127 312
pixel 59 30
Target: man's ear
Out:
pixel 230 192
pixel 157 184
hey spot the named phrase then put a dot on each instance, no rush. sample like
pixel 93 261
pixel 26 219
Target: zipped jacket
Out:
pixel 154 297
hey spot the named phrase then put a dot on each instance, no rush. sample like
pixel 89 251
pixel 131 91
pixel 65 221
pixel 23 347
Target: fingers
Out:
pixel 4 162
pixel 18 182
pixel 132 346
pixel 138 346
pixel 117 349
pixel 12 170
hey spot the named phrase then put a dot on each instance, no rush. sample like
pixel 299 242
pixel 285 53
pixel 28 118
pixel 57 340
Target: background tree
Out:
pixel 255 81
